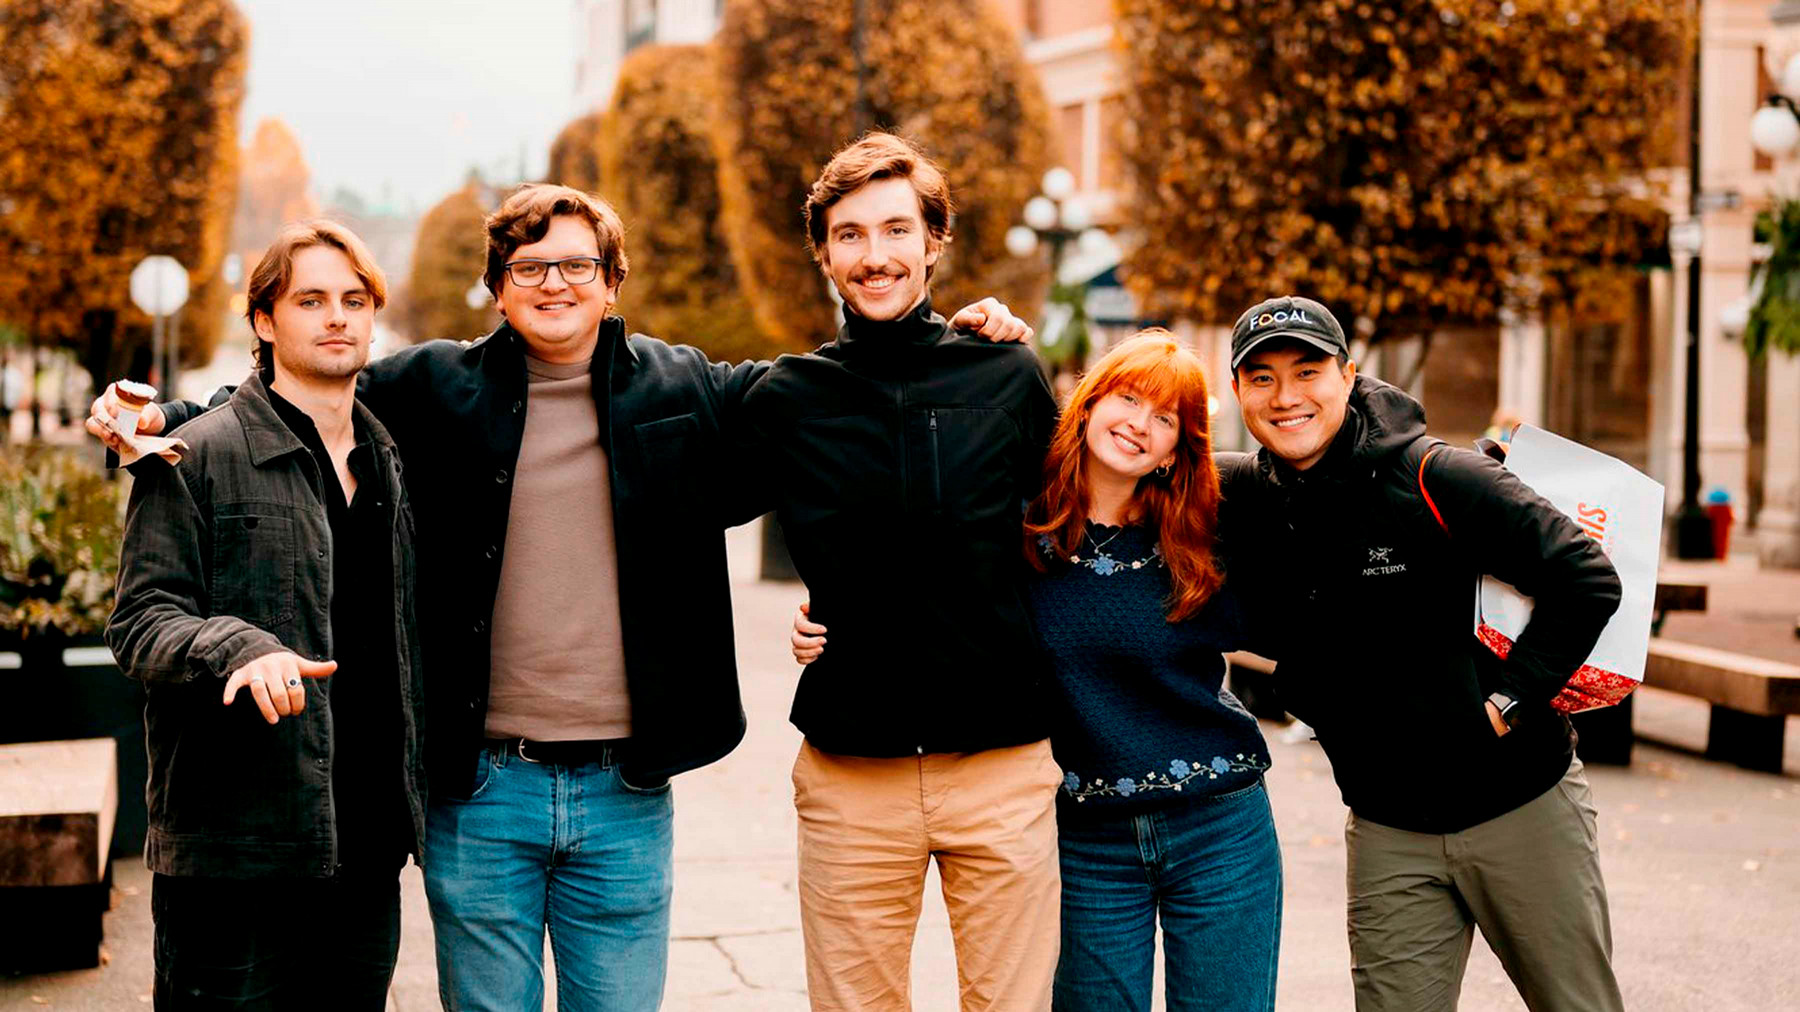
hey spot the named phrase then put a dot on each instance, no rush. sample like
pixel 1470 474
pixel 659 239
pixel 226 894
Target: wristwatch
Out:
pixel 1508 707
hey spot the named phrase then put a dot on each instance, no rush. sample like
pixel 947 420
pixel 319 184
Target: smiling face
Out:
pixel 877 250
pixel 320 325
pixel 1128 436
pixel 560 322
pixel 1293 397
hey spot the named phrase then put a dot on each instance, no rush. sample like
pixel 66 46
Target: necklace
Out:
pixel 1100 546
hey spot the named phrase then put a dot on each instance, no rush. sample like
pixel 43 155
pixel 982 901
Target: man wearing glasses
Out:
pixel 570 493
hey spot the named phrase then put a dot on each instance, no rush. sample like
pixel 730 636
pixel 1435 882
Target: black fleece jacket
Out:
pixel 1367 605
pixel 900 458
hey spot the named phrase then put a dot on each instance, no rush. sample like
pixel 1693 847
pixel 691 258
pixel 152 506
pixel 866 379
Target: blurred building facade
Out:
pixel 605 30
pixel 1778 523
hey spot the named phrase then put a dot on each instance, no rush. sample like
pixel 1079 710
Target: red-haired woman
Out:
pixel 1162 814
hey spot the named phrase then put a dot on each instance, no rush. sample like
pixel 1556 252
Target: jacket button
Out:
pixel 500 476
pixel 319 762
pixel 518 406
pixel 480 626
pixel 493 550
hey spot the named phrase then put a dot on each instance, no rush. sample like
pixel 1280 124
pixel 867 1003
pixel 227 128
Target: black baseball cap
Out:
pixel 1287 316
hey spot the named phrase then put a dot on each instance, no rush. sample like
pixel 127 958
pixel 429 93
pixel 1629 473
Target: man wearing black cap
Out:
pixel 1357 544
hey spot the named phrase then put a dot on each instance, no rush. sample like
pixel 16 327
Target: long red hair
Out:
pixel 1183 506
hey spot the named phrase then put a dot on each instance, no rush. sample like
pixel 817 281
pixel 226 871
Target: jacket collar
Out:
pixel 269 437
pixel 612 352
pixel 917 329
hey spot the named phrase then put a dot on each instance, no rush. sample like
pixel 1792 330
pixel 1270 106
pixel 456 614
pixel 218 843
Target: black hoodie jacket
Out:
pixel 1368 605
pixel 901 456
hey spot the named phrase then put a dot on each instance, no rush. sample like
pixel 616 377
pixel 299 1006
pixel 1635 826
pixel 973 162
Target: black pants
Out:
pixel 270 945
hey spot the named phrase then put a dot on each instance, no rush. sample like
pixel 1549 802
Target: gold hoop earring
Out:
pixel 1165 470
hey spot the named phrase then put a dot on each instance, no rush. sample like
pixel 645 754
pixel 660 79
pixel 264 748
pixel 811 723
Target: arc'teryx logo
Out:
pixel 1381 563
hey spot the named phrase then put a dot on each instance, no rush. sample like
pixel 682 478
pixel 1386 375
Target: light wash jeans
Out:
pixel 572 850
pixel 1210 870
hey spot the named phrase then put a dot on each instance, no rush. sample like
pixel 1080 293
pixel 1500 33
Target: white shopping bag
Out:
pixel 1620 508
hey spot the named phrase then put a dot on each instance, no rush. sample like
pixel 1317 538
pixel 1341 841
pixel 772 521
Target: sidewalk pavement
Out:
pixel 1702 862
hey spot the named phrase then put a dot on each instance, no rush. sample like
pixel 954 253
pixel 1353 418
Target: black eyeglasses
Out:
pixel 574 271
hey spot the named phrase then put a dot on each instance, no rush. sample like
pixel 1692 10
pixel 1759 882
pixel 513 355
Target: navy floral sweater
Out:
pixel 1142 720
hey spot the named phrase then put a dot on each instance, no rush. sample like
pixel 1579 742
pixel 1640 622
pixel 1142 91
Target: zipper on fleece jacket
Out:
pixel 937 469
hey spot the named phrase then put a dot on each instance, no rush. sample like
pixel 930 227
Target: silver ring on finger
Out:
pixel 292 682
pixel 256 680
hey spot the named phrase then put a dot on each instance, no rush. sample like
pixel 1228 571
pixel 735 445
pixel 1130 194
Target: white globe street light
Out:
pixel 1059 183
pixel 476 296
pixel 1774 131
pixel 1021 241
pixel 1040 213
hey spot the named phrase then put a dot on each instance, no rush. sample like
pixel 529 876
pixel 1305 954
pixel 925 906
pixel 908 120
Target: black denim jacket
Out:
pixel 227 557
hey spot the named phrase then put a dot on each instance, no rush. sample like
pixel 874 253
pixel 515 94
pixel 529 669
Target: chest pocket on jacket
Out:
pixel 253 564
pixel 971 461
pixel 670 449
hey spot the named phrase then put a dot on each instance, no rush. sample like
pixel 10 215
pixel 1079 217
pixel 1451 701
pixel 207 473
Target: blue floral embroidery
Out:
pixel 1181 772
pixel 1102 563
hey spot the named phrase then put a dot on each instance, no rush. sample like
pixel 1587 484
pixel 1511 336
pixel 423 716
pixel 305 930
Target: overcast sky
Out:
pixel 397 99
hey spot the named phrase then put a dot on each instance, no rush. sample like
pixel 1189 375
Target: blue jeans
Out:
pixel 1211 869
pixel 569 849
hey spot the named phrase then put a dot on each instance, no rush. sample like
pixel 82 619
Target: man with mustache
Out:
pixel 900 456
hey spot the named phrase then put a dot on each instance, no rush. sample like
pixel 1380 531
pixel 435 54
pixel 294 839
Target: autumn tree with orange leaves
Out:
pixel 657 160
pixel 448 258
pixel 1410 163
pixel 276 187
pixel 575 154
pixel 117 140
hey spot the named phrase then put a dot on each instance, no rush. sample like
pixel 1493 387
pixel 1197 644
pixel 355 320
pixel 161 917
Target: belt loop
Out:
pixel 497 753
pixel 606 758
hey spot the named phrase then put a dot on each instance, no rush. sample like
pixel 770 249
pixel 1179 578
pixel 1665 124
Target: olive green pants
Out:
pixel 1530 880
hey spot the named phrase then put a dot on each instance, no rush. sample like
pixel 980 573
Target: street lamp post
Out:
pixel 1055 218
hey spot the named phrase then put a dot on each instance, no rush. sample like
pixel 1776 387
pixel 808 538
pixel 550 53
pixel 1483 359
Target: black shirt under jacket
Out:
pixel 374 834
pixel 901 456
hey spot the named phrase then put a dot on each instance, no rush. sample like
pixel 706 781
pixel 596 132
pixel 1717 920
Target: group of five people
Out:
pixel 1023 680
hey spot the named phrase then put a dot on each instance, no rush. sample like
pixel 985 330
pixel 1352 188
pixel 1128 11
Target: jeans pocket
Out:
pixel 1241 794
pixel 481 776
pixel 661 787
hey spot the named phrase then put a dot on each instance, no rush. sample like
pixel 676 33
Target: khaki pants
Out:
pixel 1529 879
pixel 867 829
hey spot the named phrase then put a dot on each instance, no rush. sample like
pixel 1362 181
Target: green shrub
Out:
pixel 61 522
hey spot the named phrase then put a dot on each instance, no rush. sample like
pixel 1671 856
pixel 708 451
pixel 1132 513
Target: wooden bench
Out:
pixel 58 800
pixel 1751 698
